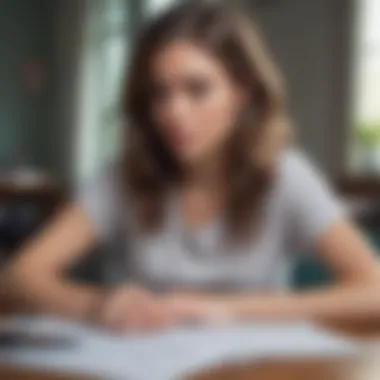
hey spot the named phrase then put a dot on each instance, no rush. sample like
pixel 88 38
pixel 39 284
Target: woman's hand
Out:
pixel 131 308
pixel 201 308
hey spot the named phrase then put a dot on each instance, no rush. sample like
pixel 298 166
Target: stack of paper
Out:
pixel 171 354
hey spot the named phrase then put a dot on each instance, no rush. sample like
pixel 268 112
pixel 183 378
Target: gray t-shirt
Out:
pixel 300 207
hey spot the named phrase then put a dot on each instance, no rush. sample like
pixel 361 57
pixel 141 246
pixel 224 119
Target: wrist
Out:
pixel 219 309
pixel 266 307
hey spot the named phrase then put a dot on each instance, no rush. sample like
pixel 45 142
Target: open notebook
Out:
pixel 168 355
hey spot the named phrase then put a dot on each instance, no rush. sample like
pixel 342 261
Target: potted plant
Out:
pixel 368 137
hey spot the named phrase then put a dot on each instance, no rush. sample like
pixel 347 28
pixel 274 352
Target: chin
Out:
pixel 191 159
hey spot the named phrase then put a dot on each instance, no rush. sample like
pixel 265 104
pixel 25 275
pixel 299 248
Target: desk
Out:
pixel 293 369
pixel 307 369
pixel 317 369
pixel 311 369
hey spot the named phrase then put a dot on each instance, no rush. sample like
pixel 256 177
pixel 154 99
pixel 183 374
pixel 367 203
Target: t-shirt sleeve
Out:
pixel 99 198
pixel 312 205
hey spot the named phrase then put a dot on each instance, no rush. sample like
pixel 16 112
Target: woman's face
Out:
pixel 195 102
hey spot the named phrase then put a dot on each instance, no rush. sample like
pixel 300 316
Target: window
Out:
pixel 154 6
pixel 109 27
pixel 104 55
pixel 366 110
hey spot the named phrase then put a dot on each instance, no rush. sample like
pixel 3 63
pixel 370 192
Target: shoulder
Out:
pixel 308 199
pixel 294 162
pixel 304 188
pixel 297 171
pixel 301 183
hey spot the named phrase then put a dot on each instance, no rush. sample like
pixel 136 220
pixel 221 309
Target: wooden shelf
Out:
pixel 359 187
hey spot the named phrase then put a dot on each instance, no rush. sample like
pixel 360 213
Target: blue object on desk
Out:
pixel 310 272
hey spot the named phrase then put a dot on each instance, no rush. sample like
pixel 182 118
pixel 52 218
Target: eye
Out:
pixel 160 92
pixel 198 88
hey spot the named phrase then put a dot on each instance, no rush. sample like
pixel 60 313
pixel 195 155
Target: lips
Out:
pixel 179 141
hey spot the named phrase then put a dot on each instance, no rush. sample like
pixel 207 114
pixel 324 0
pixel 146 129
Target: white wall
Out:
pixel 311 41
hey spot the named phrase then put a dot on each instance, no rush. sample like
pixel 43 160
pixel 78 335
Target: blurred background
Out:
pixel 61 75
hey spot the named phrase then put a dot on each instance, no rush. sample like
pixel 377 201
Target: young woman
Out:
pixel 213 198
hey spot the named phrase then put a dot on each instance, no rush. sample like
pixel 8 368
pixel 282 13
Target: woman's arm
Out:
pixel 356 292
pixel 35 276
pixel 355 296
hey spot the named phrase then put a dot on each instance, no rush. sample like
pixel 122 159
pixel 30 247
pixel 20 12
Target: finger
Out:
pixel 132 322
pixel 184 312
pixel 119 310
pixel 139 314
pixel 111 313
pixel 190 311
pixel 155 315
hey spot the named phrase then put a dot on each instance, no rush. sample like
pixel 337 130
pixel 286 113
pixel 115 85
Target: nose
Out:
pixel 177 110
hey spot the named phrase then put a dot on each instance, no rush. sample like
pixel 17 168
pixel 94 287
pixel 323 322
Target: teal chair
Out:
pixel 309 272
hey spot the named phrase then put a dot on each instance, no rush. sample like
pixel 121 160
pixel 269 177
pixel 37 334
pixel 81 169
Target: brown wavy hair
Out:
pixel 148 167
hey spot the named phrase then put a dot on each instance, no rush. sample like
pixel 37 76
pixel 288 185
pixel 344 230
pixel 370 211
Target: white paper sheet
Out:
pixel 169 355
